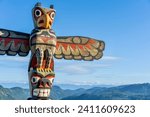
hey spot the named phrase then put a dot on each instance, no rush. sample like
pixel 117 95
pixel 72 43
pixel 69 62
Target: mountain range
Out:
pixel 124 92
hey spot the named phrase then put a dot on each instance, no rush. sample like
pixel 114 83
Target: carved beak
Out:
pixel 45 22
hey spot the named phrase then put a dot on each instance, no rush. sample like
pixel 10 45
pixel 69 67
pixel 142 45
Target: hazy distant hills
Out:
pixel 13 93
pixel 125 92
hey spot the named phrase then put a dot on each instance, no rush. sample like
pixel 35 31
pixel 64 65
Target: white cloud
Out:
pixel 110 58
pixel 89 83
pixel 84 67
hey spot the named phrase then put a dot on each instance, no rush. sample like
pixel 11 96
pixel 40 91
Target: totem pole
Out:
pixel 44 46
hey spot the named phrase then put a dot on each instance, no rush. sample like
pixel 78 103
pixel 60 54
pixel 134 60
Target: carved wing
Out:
pixel 79 48
pixel 12 43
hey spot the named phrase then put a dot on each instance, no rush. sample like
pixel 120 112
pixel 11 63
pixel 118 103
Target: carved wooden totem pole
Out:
pixel 44 46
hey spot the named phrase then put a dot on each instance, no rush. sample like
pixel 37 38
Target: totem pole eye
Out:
pixel 34 80
pixel 38 13
pixel 52 15
pixel 51 80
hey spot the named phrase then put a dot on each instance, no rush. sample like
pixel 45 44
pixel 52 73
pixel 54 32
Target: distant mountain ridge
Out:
pixel 63 86
pixel 124 92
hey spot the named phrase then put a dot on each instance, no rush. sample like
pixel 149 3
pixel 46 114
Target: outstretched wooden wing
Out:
pixel 79 48
pixel 12 43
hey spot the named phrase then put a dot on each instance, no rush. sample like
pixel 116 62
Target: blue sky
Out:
pixel 124 25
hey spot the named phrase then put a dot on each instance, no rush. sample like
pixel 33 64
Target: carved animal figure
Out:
pixel 45 46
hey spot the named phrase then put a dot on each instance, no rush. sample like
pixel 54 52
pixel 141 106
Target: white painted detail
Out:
pixel 1 33
pixel 41 92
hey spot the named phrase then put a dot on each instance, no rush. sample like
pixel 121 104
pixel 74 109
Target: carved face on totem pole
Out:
pixel 40 83
pixel 43 17
pixel 45 46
